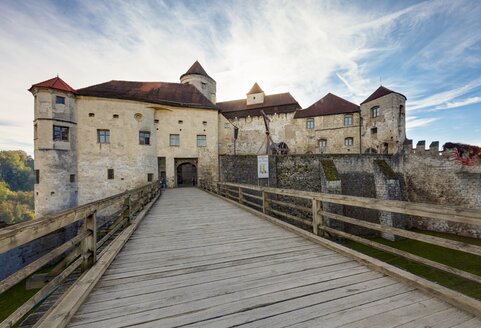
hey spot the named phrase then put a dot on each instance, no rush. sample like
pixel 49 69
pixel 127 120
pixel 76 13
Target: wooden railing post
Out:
pixel 316 217
pixel 89 243
pixel 240 195
pixel 265 205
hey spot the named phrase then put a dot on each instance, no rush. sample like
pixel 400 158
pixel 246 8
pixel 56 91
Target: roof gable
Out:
pixel 255 89
pixel 173 94
pixel 276 103
pixel 196 69
pixel 55 83
pixel 330 104
pixel 380 92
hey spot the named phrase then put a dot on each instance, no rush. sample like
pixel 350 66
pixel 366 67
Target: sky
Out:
pixel 430 51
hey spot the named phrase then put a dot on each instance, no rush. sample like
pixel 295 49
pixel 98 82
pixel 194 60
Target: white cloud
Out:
pixel 459 103
pixel 442 98
pixel 415 122
pixel 285 46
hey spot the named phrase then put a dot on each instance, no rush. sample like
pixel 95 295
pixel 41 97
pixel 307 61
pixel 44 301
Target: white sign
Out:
pixel 263 166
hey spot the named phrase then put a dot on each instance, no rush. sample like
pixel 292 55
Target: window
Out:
pixel 226 125
pixel 144 138
pixel 35 131
pixel 175 140
pixel 204 85
pixel 72 178
pixel 60 100
pixel 204 122
pixel 60 133
pixel 201 141
pixel 373 130
pixel 322 143
pixel 375 111
pixel 156 121
pixel 180 122
pixel 91 115
pixel 115 116
pixel 37 176
pixel 348 141
pixel 150 177
pixel 347 119
pixel 103 136
pixel 310 123
pixel 110 174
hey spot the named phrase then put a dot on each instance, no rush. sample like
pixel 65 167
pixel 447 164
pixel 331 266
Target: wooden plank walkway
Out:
pixel 198 261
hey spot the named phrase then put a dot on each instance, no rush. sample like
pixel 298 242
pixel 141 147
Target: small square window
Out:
pixel 103 136
pixel 348 141
pixel 91 115
pixel 174 140
pixel 322 143
pixel 150 177
pixel 180 122
pixel 347 119
pixel 310 123
pixel 110 174
pixel 156 121
pixel 204 122
pixel 72 178
pixel 374 131
pixel 60 133
pixel 144 138
pixel 60 100
pixel 115 116
pixel 375 111
pixel 226 125
pixel 201 141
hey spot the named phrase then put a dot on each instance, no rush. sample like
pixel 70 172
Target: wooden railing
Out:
pixel 309 210
pixel 82 251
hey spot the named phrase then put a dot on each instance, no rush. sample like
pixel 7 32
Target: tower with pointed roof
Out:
pixel 255 95
pixel 55 139
pixel 383 125
pixel 198 77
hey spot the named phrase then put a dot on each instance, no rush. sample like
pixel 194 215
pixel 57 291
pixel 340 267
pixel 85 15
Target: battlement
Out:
pixel 420 149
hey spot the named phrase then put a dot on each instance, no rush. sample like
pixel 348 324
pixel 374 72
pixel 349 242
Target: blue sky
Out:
pixel 429 51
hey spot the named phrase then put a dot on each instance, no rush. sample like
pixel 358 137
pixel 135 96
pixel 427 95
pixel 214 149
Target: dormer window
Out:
pixel 60 100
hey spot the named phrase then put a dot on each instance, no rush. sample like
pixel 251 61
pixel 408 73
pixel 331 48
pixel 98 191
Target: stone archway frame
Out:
pixel 181 161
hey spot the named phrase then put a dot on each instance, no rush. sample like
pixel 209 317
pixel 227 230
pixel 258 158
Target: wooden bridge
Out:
pixel 194 259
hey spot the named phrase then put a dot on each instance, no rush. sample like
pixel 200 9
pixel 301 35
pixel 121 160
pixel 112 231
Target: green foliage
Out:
pixel 16 187
pixel 461 260
pixel 16 170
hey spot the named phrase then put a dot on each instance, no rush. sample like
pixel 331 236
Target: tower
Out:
pixel 197 76
pixel 255 95
pixel 383 122
pixel 55 138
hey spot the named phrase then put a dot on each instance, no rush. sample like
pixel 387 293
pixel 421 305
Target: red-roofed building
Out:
pixel 103 139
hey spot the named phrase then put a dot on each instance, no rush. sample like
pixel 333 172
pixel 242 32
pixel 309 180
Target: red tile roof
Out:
pixel 330 104
pixel 196 69
pixel 255 89
pixel 55 83
pixel 173 94
pixel 278 103
pixel 380 92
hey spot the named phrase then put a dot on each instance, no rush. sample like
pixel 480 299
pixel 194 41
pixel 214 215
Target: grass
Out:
pixel 13 298
pixel 464 261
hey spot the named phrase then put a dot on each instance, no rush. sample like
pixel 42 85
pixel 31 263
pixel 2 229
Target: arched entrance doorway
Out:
pixel 186 174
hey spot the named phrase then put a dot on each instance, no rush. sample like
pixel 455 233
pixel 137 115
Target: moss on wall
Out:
pixel 386 170
pixel 330 170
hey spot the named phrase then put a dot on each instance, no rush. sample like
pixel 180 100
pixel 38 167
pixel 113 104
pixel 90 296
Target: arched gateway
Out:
pixel 186 172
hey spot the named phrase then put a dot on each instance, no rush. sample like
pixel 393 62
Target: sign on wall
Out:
pixel 262 166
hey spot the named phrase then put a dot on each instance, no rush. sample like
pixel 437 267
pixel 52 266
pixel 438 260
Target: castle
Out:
pixel 101 140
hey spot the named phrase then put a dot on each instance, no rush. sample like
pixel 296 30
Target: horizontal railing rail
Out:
pixel 292 206
pixel 81 251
